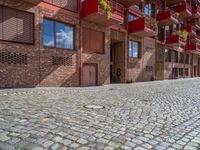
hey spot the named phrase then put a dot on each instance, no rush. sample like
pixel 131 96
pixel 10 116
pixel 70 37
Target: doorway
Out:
pixel 160 62
pixel 117 62
pixel 89 74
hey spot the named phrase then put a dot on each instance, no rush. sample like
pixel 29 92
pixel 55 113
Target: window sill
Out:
pixel 87 52
pixel 55 48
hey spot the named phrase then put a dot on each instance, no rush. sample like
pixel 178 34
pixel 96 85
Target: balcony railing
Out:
pixel 184 10
pixel 167 17
pixel 92 11
pixel 143 26
pixel 195 11
pixel 173 2
pixel 194 38
pixel 193 48
pixel 116 8
pixel 191 29
pixel 129 3
pixel 174 39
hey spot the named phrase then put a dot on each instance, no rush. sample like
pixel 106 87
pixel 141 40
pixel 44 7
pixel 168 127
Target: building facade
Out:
pixel 96 42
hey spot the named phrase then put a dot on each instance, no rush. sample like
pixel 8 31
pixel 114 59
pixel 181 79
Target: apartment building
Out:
pixel 94 42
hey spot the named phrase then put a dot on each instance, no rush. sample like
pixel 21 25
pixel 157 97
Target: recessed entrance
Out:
pixel 117 55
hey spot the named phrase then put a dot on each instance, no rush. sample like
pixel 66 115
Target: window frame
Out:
pixel 54 30
pixel 138 52
pixel 33 30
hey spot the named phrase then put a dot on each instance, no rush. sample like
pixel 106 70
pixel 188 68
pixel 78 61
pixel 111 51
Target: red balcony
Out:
pixel 191 29
pixel 195 11
pixel 192 48
pixel 184 10
pixel 166 18
pixel 194 38
pixel 175 40
pixel 173 2
pixel 91 11
pixel 143 27
pixel 129 3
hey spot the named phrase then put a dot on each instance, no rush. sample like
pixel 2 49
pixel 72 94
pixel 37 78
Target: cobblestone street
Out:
pixel 153 115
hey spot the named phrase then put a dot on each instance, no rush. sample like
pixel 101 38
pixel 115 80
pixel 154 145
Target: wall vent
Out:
pixel 13 58
pixel 59 61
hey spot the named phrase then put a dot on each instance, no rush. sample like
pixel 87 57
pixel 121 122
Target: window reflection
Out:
pixel 64 36
pixel 48 33
pixel 59 35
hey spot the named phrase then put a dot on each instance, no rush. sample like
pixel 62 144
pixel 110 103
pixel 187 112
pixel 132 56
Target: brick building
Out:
pixel 78 43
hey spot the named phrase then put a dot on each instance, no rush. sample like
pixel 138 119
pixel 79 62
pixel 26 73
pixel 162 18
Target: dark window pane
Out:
pixel 64 36
pixel 48 33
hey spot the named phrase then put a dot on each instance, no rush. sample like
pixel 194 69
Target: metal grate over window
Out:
pixel 16 25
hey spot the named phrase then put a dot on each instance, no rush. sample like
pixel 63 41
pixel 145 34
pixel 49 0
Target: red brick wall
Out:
pixel 102 60
pixel 39 70
pixel 143 68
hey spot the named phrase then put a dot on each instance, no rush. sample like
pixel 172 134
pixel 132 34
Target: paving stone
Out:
pixel 57 139
pixel 66 142
pixel 37 148
pixel 152 115
pixel 55 146
pixel 47 144
pixel 82 141
pixel 74 145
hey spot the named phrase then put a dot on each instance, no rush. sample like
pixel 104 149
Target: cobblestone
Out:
pixel 152 115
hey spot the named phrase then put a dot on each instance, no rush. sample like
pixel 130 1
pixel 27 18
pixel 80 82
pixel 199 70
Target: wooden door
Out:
pixel 89 74
pixel 195 71
pixel 118 62
pixel 159 71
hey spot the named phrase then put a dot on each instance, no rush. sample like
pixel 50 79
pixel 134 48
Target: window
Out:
pixel 191 59
pixel 161 34
pixel 136 6
pixel 181 72
pixel 186 72
pixel 168 55
pixel 48 33
pixel 134 49
pixel 187 58
pixel 181 58
pixel 16 25
pixel 132 17
pixel 175 56
pixel 148 9
pixel 57 34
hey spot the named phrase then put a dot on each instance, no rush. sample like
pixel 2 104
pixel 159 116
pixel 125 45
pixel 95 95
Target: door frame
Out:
pixel 91 64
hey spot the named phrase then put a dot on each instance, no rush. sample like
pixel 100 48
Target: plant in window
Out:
pixel 105 6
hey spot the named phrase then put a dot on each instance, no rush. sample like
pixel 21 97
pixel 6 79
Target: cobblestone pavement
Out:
pixel 153 115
